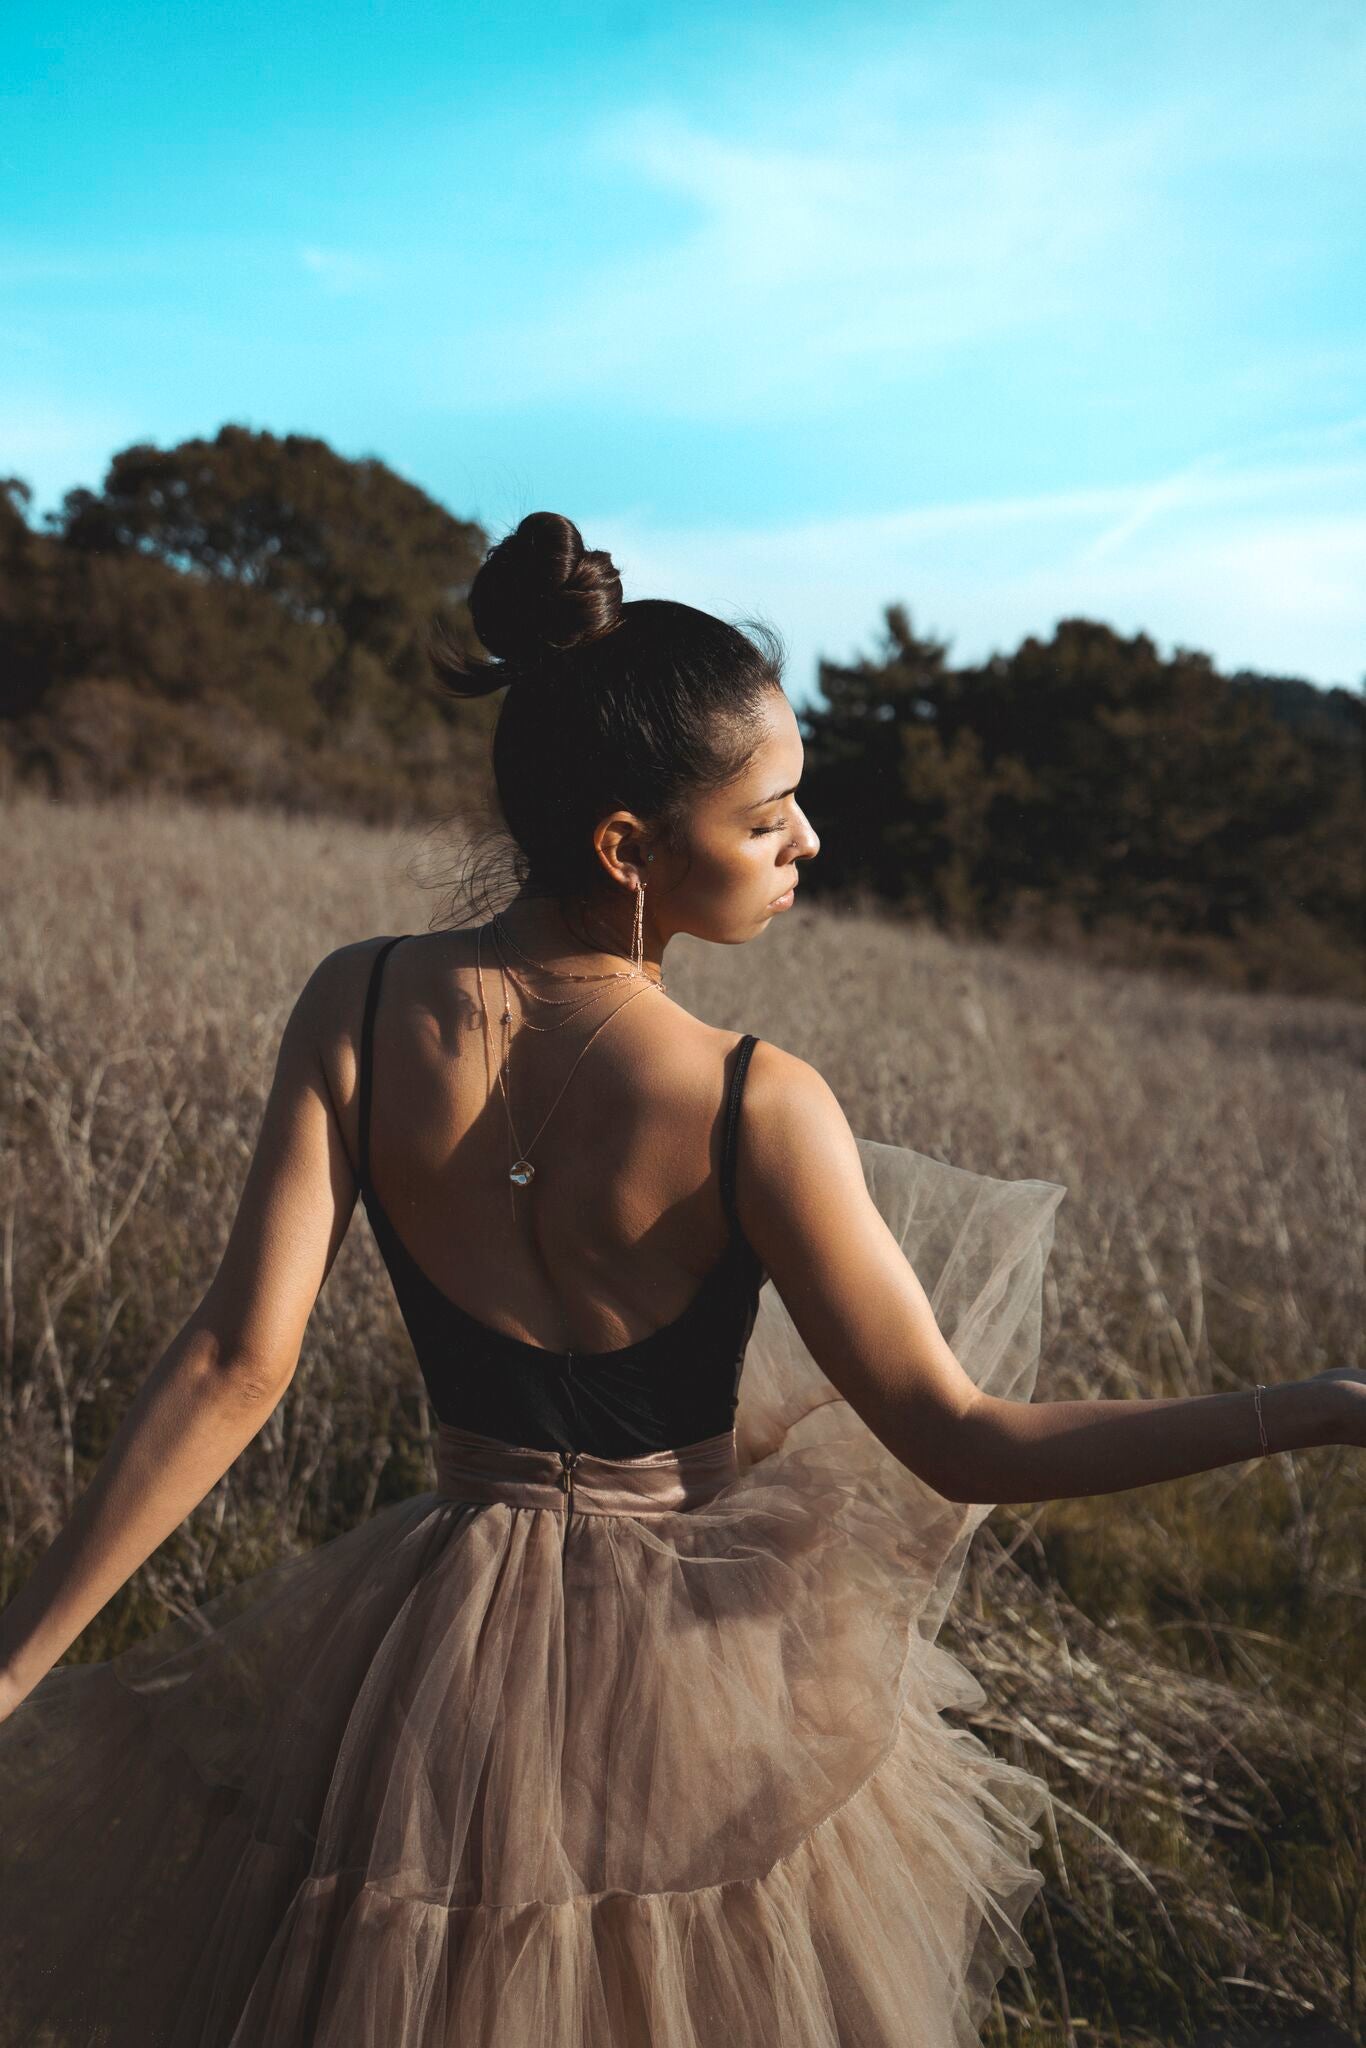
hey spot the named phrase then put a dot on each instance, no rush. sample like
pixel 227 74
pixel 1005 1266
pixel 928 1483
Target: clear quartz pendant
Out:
pixel 522 1172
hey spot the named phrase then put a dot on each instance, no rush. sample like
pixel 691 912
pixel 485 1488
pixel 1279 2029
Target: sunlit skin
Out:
pixel 652 1103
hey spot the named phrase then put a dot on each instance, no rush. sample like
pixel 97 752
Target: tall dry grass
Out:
pixel 1183 1662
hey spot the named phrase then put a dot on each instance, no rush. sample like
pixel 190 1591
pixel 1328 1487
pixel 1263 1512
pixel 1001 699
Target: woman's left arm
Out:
pixel 224 1372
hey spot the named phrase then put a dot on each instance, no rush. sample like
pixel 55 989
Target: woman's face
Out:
pixel 745 842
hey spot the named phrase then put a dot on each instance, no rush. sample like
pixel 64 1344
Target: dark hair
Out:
pixel 609 704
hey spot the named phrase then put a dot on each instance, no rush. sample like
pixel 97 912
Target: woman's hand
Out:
pixel 1349 1384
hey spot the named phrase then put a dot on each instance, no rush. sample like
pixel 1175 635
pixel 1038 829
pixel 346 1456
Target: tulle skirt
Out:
pixel 645 1753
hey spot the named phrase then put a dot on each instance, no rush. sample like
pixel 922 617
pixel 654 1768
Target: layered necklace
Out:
pixel 521 1172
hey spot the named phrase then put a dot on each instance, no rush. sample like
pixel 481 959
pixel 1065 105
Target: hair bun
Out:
pixel 540 590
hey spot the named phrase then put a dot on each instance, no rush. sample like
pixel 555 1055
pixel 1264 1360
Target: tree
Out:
pixel 885 836
pixel 15 532
pixel 247 585
pixel 333 541
pixel 1087 776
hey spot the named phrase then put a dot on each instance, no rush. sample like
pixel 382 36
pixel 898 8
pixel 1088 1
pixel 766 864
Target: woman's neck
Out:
pixel 579 938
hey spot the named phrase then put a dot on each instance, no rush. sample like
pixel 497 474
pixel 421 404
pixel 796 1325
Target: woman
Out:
pixel 630 1732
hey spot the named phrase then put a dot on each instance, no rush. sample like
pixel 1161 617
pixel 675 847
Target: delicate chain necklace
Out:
pixel 520 1171
pixel 631 973
pixel 572 1005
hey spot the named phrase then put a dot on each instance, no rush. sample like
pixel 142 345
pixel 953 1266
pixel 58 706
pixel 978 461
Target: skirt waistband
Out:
pixel 485 1468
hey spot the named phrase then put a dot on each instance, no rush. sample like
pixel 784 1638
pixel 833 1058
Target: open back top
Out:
pixel 675 1386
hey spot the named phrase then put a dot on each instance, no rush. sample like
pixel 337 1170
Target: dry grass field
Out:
pixel 1184 1663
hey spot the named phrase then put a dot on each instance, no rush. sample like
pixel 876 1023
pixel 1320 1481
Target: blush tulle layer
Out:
pixel 668 1771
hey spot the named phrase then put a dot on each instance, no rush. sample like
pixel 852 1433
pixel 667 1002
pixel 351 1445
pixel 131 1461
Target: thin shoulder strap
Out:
pixel 367 1039
pixel 729 1139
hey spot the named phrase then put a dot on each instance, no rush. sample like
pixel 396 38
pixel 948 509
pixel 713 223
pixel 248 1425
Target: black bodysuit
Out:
pixel 675 1386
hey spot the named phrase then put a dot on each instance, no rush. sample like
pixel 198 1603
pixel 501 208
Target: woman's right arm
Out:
pixel 861 1311
pixel 1057 1450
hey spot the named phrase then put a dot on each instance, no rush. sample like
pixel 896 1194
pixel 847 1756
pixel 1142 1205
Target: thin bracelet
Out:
pixel 1257 1393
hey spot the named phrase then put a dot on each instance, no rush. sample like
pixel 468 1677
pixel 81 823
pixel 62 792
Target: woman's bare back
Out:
pixel 624 1219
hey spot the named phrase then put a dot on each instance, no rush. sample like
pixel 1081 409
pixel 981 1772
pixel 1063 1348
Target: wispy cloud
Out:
pixel 1332 458
pixel 342 271
pixel 806 266
pixel 1262 567
pixel 870 225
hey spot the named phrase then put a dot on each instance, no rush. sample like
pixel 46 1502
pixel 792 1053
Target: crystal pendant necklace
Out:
pixel 521 1172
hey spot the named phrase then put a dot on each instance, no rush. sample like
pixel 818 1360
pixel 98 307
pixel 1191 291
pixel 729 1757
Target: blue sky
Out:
pixel 1001 310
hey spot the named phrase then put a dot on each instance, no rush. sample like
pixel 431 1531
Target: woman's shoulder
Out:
pixel 342 974
pixel 779 1077
pixel 788 1106
pixel 333 1002
pixel 772 1073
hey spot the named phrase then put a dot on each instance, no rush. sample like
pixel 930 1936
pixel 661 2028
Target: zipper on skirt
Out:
pixel 568 1460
